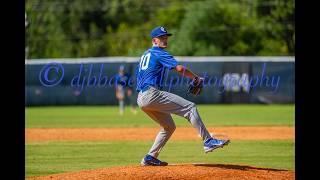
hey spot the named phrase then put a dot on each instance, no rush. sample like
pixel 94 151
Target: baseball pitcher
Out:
pixel 159 105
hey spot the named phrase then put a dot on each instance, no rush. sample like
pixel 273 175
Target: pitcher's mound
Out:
pixel 179 171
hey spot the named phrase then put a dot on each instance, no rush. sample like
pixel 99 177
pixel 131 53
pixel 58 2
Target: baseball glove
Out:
pixel 195 86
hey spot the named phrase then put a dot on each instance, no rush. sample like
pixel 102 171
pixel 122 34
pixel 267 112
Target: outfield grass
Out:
pixel 107 116
pixel 57 157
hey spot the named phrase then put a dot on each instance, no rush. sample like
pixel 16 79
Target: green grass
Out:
pixel 57 157
pixel 107 116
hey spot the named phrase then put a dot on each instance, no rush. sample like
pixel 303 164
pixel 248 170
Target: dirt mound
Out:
pixel 181 133
pixel 173 172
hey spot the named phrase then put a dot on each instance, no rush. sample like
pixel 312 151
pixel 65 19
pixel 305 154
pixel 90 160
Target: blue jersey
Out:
pixel 152 66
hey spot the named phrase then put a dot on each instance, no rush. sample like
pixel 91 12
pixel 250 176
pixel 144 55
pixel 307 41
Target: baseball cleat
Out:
pixel 212 144
pixel 152 161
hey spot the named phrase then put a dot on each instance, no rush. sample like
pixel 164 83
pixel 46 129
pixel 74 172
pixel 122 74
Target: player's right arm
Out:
pixel 184 71
pixel 170 62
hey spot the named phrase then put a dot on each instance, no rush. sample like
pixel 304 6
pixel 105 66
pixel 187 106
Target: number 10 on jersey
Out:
pixel 144 61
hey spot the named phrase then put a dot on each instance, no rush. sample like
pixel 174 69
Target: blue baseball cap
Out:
pixel 159 31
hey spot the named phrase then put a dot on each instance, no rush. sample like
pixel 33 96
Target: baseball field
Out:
pixel 95 142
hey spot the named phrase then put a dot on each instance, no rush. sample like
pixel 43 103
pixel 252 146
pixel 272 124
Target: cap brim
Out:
pixel 165 34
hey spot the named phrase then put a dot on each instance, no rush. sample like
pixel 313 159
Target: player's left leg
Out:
pixel 167 128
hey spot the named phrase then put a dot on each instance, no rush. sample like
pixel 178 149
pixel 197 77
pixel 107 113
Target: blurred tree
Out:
pixel 77 28
pixel 278 16
pixel 213 28
pixel 44 35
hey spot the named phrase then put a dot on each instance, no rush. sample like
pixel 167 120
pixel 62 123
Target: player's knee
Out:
pixel 170 128
pixel 173 127
pixel 193 107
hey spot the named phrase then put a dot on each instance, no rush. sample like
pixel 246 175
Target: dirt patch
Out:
pixel 127 134
pixel 174 172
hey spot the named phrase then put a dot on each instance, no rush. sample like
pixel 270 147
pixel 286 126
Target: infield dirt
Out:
pixel 181 133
